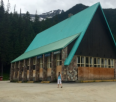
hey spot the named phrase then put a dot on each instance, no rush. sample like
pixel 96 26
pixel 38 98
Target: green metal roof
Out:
pixel 48 48
pixel 78 41
pixel 60 35
pixel 71 26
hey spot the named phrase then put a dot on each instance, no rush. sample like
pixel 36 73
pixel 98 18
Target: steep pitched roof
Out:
pixel 78 41
pixel 71 26
pixel 60 44
pixel 49 40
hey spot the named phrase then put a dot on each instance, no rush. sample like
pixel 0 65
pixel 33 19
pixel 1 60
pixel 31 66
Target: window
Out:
pixel 83 61
pixel 95 64
pixel 34 61
pixel 48 62
pixel 109 63
pixel 41 62
pixel 28 62
pixel 27 67
pixel 91 62
pixel 18 64
pixel 87 61
pixel 112 63
pixel 23 63
pixel 105 63
pixel 78 61
pixel 58 60
pixel 102 62
pixel 33 67
pixel 98 62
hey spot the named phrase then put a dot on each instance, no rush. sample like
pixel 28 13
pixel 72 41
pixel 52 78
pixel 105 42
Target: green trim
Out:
pixel 108 25
pixel 78 41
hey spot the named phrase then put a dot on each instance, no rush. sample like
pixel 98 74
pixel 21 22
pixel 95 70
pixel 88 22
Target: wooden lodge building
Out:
pixel 81 47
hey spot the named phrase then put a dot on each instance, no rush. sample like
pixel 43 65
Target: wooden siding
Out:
pixel 58 69
pixel 97 41
pixel 41 73
pixel 33 73
pixel 93 73
pixel 48 72
pixel 28 74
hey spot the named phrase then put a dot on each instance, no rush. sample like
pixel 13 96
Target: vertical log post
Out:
pixel 14 74
pixel 31 70
pixel 44 68
pixel 20 71
pixel 36 70
pixel 53 67
pixel 25 71
pixel 16 71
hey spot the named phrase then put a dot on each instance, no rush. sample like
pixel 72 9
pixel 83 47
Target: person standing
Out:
pixel 59 80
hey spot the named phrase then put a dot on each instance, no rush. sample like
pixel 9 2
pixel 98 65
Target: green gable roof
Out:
pixel 62 34
pixel 47 48
pixel 71 26
pixel 78 41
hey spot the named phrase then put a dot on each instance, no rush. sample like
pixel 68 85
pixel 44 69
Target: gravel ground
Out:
pixel 71 92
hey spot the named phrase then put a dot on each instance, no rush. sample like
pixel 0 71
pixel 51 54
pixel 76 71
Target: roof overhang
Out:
pixel 58 45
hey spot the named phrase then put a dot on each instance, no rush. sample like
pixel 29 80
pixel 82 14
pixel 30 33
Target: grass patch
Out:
pixel 6 76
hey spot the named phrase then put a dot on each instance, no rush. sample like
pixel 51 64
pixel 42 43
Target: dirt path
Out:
pixel 71 92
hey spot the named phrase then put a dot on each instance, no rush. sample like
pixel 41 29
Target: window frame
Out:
pixel 100 62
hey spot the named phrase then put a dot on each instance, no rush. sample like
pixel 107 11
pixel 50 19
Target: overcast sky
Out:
pixel 43 6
